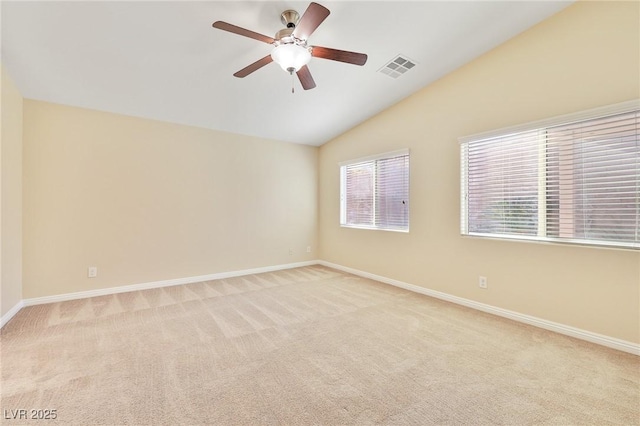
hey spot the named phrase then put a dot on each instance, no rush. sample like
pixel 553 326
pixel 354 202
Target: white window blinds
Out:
pixel 577 181
pixel 375 192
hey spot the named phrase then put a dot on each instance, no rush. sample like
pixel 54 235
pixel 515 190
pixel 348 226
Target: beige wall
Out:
pixel 147 201
pixel 11 198
pixel 584 57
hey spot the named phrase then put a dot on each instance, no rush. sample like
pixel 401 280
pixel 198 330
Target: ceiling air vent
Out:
pixel 397 66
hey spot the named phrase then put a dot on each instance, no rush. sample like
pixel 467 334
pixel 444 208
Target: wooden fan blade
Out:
pixel 254 67
pixel 304 75
pixel 339 55
pixel 311 19
pixel 242 31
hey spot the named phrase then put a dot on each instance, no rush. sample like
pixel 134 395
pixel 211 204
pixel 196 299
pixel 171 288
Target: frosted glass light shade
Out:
pixel 291 56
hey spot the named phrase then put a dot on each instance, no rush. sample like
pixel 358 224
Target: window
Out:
pixel 570 179
pixel 374 192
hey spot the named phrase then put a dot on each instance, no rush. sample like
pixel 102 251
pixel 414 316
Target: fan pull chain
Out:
pixel 293 81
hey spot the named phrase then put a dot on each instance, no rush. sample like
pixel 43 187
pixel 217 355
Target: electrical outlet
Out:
pixel 482 282
pixel 308 249
pixel 92 272
pixel 290 252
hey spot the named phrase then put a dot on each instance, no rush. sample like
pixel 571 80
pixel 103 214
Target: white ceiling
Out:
pixel 164 61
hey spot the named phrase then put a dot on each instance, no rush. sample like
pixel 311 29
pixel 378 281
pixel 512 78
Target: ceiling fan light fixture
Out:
pixel 291 57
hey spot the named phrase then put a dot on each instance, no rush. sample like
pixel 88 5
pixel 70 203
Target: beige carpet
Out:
pixel 303 346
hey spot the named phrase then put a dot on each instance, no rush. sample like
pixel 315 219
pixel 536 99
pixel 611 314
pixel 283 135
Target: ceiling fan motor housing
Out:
pixel 290 19
pixel 284 36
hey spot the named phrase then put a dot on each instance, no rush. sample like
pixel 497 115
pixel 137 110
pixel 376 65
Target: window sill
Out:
pixel 373 228
pixel 548 241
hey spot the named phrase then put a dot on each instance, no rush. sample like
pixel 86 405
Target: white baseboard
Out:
pixel 6 317
pixel 611 342
pixel 600 339
pixel 158 284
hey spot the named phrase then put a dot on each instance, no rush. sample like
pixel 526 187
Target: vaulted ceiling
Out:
pixel 164 61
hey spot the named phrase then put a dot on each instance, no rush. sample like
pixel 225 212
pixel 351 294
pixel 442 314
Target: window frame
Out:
pixel 541 125
pixel 343 188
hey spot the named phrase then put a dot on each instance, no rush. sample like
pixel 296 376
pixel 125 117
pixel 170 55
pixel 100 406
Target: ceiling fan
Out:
pixel 291 50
